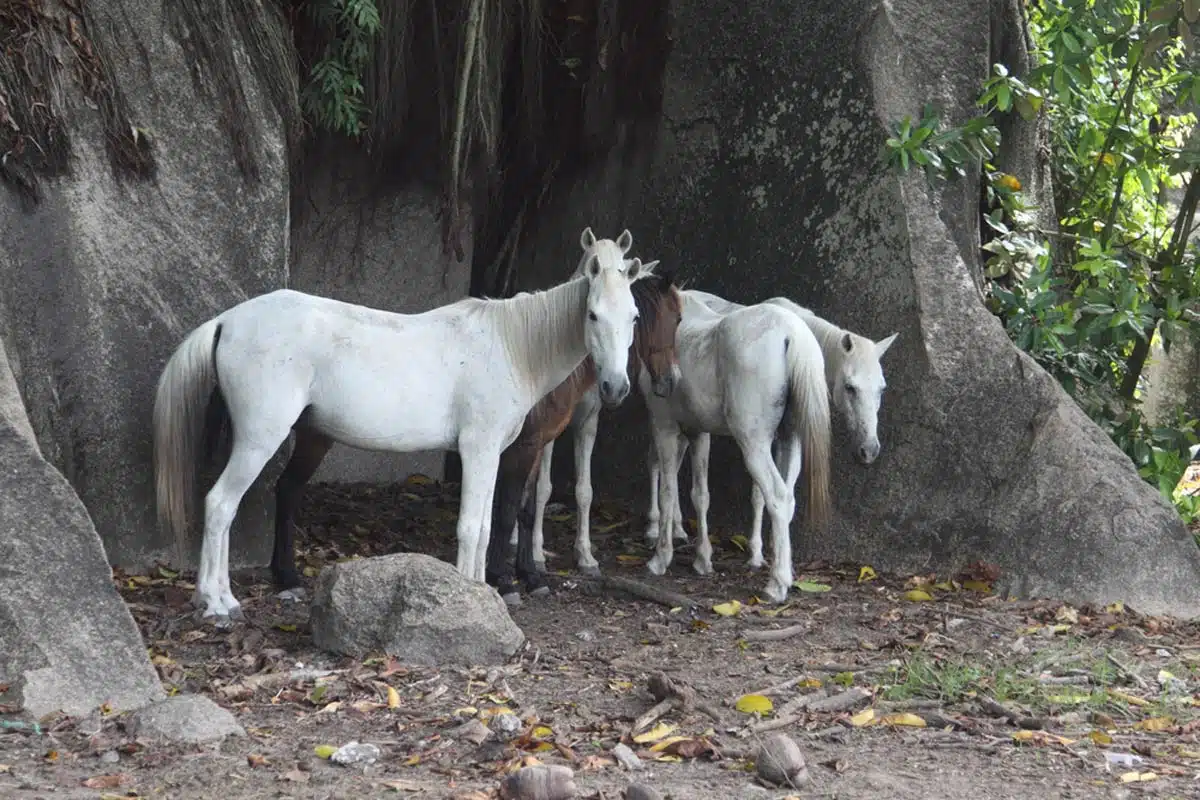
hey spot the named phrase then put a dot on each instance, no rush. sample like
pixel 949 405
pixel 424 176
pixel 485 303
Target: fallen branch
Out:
pixel 794 711
pixel 779 687
pixel 641 591
pixel 670 695
pixel 1021 721
pixel 1127 672
pixel 774 635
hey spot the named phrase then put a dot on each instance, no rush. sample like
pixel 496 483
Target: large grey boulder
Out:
pixel 101 279
pixel 764 179
pixel 67 641
pixel 414 607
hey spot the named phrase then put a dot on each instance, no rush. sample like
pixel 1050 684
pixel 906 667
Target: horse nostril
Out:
pixel 606 388
pixel 863 453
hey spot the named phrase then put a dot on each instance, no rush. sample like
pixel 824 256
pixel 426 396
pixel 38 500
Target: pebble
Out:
pixel 356 753
pixel 110 757
pixel 626 757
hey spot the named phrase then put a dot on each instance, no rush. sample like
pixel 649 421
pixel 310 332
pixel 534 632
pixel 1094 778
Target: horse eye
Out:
pixel 592 316
pixel 851 390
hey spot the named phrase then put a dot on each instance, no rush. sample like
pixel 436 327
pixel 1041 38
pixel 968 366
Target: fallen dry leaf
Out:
pixel 393 697
pixel 104 781
pixel 295 776
pixel 865 574
pixel 659 731
pixel 1154 724
pixel 403 785
pixel 862 718
pixel 728 609
pixel 918 596
pixel 1134 777
pixel 754 704
pixel 257 760
pixel 906 720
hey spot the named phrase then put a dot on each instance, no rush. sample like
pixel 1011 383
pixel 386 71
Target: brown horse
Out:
pixel 660 309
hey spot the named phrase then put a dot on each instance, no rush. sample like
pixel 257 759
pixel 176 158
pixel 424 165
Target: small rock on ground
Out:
pixel 414 607
pixel 188 718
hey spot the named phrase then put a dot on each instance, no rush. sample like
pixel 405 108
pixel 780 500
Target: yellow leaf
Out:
pixel 727 609
pixel 1100 738
pixel 494 711
pixel 465 711
pixel 417 479
pixel 1128 698
pixel 332 707
pixel 620 686
pixel 907 720
pixel 864 717
pixel 542 732
pixel 866 574
pixel 774 612
pixel 740 542
pixel 754 704
pixel 1115 608
pixel 412 761
pixel 917 596
pixel 393 697
pixel 162 661
pixel 310 572
pixel 654 734
pixel 667 742
pixel 1062 628
pixel 665 757
pixel 1136 777
pixel 324 750
pixel 559 517
pixel 1022 736
pixel 286 628
pixel 626 558
pixel 977 586
pixel 1154 724
pixel 1009 182
pixel 1182 753
pixel 810 683
pixel 945 586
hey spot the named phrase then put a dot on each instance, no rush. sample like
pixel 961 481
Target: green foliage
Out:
pixel 1120 83
pixel 333 96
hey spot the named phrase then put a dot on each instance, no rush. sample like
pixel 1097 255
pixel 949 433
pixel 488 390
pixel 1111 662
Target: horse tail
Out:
pixel 808 404
pixel 181 405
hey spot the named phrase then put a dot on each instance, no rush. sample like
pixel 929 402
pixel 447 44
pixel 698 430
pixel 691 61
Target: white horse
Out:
pixel 856 384
pixel 755 373
pixel 458 377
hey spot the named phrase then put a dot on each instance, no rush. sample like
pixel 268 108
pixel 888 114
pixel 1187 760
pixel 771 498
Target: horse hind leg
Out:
pixel 214 595
pixel 781 505
pixel 308 452
pixel 756 523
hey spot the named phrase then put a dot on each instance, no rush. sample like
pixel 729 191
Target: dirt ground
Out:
pixel 961 695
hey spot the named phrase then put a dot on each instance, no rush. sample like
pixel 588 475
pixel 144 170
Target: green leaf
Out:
pixel 1071 42
pixel 810 586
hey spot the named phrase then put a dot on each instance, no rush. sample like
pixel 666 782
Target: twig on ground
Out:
pixel 641 591
pixel 779 687
pixel 775 634
pixel 794 711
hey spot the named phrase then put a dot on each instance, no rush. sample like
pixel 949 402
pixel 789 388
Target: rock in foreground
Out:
pixel 414 607
pixel 189 718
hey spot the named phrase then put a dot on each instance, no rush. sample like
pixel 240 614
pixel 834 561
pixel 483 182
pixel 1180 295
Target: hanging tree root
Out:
pixel 614 585
pixel 672 695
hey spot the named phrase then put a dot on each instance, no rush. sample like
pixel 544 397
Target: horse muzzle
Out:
pixel 612 393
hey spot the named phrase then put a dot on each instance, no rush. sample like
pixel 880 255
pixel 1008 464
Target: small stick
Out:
pixel 779 687
pixel 999 710
pixel 653 715
pixel 795 710
pixel 1126 671
pixel 775 634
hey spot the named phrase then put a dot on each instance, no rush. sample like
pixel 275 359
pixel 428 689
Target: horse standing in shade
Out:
pixel 458 377
pixel 755 374
pixel 855 379
pixel 659 313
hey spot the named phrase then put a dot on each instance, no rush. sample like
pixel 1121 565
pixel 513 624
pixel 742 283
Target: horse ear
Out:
pixel 646 270
pixel 847 343
pixel 625 241
pixel 587 239
pixel 634 270
pixel 883 344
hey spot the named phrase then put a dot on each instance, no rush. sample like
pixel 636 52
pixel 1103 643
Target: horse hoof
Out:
pixel 540 566
pixel 702 567
pixel 236 614
pixel 657 566
pixel 680 535
pixel 590 570
pixel 775 593
pixel 755 564
pixel 293 595
pixel 541 591
pixel 513 600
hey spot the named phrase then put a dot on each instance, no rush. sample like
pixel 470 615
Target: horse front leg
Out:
pixel 652 513
pixel 481 461
pixel 667 443
pixel 308 452
pixel 585 441
pixel 544 487
pixel 677 528
pixel 507 498
pixel 700 449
